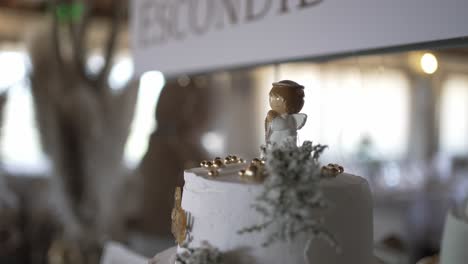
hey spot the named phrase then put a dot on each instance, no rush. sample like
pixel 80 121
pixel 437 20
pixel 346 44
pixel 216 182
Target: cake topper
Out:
pixel 284 119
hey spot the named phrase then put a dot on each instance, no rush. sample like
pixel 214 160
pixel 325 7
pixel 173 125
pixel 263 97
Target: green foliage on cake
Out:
pixel 292 200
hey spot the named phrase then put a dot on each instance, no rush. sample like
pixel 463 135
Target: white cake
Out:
pixel 221 206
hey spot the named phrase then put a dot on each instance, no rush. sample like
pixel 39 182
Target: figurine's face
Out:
pixel 278 104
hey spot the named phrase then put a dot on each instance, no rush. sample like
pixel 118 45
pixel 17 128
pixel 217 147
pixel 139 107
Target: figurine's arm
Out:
pixel 270 116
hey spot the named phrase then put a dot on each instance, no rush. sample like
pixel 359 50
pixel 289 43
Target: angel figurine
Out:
pixel 284 119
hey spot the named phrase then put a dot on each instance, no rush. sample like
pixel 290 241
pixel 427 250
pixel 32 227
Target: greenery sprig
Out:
pixel 292 198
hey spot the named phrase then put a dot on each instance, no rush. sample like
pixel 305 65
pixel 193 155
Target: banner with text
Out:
pixel 183 36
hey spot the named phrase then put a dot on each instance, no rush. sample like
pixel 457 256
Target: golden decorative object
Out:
pixel 213 173
pixel 429 260
pixel 258 161
pixel 254 172
pixel 218 163
pixel 232 159
pixel 179 218
pixel 331 170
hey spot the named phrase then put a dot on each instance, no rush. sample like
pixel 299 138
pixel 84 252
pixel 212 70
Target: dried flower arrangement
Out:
pixel 292 196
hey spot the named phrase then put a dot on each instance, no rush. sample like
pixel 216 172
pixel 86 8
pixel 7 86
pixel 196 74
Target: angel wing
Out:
pixel 300 120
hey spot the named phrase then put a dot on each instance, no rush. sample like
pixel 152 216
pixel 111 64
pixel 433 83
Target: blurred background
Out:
pixel 91 153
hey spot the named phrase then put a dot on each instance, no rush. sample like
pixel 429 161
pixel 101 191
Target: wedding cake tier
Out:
pixel 221 206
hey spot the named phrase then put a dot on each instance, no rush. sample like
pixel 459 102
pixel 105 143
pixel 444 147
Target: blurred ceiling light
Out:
pixel 94 63
pixel 144 123
pixel 13 68
pixel 213 142
pixel 121 73
pixel 20 147
pixel 429 63
pixel 152 80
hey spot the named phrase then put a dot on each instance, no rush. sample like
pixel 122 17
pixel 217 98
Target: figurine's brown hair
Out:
pixel 292 93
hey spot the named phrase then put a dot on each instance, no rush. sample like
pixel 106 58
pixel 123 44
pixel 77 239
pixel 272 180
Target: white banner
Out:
pixel 182 36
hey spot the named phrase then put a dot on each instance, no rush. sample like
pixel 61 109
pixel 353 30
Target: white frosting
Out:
pixel 222 206
pixel 168 256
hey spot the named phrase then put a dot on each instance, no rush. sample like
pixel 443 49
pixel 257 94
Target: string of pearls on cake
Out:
pixel 214 166
pixel 255 172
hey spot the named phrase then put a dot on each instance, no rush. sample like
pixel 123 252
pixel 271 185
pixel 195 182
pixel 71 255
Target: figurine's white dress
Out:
pixel 285 126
